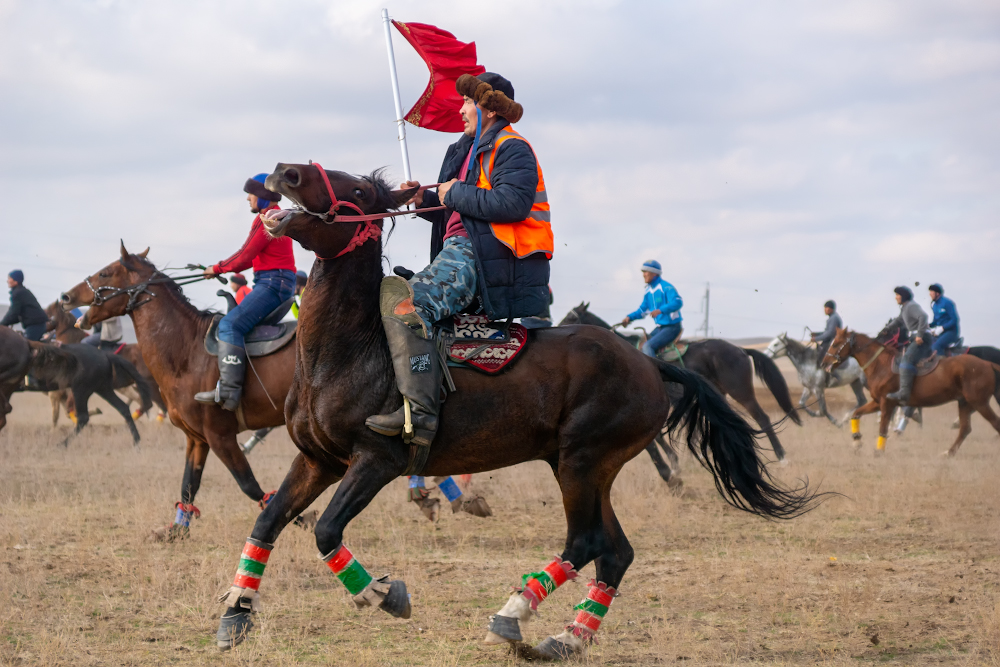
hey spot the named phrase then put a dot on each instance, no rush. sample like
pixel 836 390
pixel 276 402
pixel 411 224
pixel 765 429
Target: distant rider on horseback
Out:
pixel 915 320
pixel 494 242
pixel 946 317
pixel 664 304
pixel 274 283
pixel 833 322
pixel 24 308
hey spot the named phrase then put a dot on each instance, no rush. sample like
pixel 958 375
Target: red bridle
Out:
pixel 369 230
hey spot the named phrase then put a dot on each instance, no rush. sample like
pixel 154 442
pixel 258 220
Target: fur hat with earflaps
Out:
pixel 491 92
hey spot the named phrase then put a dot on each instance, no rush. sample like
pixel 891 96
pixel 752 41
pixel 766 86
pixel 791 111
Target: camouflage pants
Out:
pixel 448 285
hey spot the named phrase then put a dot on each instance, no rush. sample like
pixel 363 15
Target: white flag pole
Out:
pixel 400 123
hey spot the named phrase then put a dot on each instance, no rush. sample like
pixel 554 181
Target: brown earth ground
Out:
pixel 904 569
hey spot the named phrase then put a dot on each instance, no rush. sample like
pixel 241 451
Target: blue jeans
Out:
pixel 270 290
pixel 660 338
pixel 914 353
pixel 944 341
pixel 34 332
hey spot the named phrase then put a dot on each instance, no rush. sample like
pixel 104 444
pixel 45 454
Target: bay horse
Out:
pixel 727 367
pixel 579 398
pixel 171 334
pixel 967 379
pixel 15 360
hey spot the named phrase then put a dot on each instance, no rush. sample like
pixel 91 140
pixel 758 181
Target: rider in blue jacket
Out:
pixel 946 317
pixel 664 304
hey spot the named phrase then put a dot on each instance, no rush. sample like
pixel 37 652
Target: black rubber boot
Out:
pixel 418 376
pixel 902 396
pixel 234 625
pixel 232 370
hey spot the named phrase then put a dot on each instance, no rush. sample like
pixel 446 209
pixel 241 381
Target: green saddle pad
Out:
pixel 673 352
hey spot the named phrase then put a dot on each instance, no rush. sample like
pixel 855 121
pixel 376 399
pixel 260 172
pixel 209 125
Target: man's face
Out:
pixel 934 295
pixel 254 207
pixel 899 298
pixel 828 310
pixel 469 117
pixel 648 276
pixel 233 286
pixel 11 282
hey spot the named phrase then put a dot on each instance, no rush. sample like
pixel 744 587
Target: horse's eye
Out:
pixel 104 274
pixel 359 193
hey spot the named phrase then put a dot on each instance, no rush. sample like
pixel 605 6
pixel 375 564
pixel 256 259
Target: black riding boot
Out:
pixel 906 376
pixel 232 369
pixel 418 376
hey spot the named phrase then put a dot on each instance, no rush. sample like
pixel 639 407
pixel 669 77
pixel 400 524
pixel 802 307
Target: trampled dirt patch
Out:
pixel 904 569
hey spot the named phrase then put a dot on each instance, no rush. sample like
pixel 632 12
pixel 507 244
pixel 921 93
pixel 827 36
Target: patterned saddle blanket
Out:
pixel 473 341
pixel 924 366
pixel 673 352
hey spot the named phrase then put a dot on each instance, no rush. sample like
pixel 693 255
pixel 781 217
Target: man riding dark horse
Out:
pixel 663 303
pixel 946 317
pixel 24 308
pixel 915 320
pixel 274 283
pixel 833 322
pixel 494 242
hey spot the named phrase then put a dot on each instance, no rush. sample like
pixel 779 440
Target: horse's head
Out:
pixel 576 315
pixel 106 292
pixel 778 347
pixel 313 227
pixel 840 350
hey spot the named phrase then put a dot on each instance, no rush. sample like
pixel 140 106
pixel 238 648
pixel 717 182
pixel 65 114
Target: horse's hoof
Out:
pixel 233 628
pixel 675 484
pixel 307 520
pixel 477 506
pixel 430 507
pixel 855 436
pixel 783 462
pixel 397 600
pixel 503 630
pixel 554 649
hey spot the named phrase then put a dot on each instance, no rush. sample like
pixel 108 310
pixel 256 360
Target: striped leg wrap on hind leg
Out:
pixel 253 560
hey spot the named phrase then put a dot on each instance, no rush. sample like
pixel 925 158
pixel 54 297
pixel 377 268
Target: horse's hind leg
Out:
pixel 305 481
pixel 662 467
pixel 82 416
pixel 122 408
pixel 616 555
pixel 759 416
pixel 965 425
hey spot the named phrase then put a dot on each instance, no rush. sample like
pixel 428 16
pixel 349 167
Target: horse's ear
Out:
pixel 586 306
pixel 124 251
pixel 143 253
pixel 400 197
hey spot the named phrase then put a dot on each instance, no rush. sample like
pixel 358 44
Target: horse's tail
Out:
pixel 771 376
pixel 120 364
pixel 727 447
pixel 987 352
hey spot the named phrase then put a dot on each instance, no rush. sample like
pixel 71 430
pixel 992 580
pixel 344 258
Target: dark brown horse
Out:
pixel 15 360
pixel 730 371
pixel 171 334
pixel 579 398
pixel 967 379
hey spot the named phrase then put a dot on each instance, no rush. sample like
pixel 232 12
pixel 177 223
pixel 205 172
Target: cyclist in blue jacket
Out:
pixel 663 303
pixel 946 317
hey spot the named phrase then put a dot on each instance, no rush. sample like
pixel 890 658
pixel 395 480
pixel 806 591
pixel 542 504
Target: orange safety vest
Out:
pixel 534 233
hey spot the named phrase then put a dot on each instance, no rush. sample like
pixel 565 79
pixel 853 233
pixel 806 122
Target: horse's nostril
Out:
pixel 292 177
pixel 64 297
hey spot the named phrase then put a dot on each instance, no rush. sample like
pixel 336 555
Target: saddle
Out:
pixel 269 336
pixel 673 352
pixel 473 341
pixel 924 366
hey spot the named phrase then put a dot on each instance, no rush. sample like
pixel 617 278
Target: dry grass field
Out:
pixel 904 569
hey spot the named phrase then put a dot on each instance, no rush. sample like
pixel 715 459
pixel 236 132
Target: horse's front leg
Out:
pixel 806 393
pixel 888 407
pixel 223 442
pixel 866 409
pixel 304 482
pixel 823 409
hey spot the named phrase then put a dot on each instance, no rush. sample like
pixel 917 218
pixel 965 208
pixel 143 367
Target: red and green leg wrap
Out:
pixel 350 572
pixel 592 611
pixel 248 574
pixel 538 585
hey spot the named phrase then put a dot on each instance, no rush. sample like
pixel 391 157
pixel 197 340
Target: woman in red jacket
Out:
pixel 273 283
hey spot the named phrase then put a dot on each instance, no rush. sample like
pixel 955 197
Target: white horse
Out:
pixel 815 381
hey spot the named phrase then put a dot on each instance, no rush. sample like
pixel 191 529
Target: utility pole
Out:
pixel 705 308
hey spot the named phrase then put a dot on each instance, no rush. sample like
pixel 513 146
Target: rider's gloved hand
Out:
pixel 626 321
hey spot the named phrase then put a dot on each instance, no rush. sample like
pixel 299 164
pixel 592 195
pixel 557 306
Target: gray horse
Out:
pixel 815 381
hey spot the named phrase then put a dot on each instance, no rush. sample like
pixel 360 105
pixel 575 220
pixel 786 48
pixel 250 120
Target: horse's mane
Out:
pixel 384 198
pixel 584 316
pixel 176 289
pixel 892 333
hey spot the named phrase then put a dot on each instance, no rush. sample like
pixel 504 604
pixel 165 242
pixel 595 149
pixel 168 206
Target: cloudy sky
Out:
pixel 786 153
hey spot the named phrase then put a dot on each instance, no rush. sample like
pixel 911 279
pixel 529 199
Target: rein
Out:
pixel 364 232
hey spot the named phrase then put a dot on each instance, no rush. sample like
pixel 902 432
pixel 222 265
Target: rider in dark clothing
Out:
pixel 915 321
pixel 24 308
pixel 946 317
pixel 833 322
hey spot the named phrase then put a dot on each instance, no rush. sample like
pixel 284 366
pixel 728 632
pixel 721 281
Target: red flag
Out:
pixel 447 59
